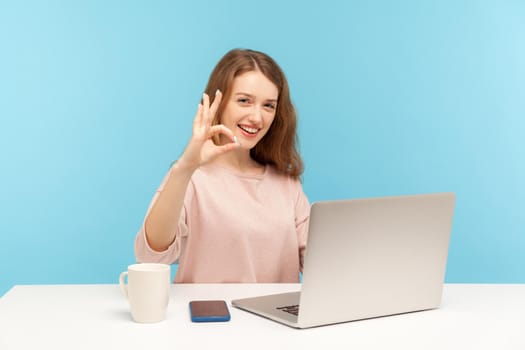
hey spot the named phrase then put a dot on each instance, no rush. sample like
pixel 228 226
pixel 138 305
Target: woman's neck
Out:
pixel 240 161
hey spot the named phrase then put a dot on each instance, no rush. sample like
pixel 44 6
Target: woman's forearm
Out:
pixel 163 218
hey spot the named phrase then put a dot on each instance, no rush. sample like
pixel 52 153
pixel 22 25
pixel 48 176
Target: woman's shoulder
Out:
pixel 276 175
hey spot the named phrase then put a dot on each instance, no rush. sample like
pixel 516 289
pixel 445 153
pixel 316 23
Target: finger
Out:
pixel 227 147
pixel 221 129
pixel 198 115
pixel 216 103
pixel 206 106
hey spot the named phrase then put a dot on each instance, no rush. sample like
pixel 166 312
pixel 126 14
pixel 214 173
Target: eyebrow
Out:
pixel 250 95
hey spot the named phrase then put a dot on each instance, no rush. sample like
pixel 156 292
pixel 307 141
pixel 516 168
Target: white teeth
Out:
pixel 248 129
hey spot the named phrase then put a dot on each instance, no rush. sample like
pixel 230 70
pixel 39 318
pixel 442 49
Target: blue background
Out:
pixel 394 97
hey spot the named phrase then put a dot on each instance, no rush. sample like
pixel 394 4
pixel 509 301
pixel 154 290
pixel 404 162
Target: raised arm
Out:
pixel 161 221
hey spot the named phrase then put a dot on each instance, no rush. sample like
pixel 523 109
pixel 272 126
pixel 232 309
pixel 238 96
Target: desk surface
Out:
pixel 97 317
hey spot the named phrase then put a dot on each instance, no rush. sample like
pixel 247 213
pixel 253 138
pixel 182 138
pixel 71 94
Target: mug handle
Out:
pixel 123 286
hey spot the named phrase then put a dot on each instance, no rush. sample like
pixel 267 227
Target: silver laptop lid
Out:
pixel 375 257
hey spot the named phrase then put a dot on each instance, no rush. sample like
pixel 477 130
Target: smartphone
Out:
pixel 209 311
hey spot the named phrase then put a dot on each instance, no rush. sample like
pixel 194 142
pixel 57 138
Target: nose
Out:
pixel 256 115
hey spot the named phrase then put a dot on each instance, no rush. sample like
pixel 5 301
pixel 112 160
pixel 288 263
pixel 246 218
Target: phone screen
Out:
pixel 209 311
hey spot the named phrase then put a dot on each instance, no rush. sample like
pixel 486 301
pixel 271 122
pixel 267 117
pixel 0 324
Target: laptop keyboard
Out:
pixel 292 309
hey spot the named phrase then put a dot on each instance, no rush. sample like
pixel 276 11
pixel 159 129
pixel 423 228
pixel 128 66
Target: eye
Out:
pixel 271 106
pixel 243 100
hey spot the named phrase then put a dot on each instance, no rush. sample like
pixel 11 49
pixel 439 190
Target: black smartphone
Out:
pixel 209 311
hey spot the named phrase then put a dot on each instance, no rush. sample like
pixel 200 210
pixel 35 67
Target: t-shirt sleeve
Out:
pixel 144 253
pixel 302 218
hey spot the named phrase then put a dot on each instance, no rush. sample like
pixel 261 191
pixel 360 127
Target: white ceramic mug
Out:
pixel 147 291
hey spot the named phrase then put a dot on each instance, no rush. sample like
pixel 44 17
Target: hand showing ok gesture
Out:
pixel 201 148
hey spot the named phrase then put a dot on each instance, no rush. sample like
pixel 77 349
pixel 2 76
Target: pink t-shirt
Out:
pixel 236 228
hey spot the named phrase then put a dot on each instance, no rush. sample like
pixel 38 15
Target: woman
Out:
pixel 232 208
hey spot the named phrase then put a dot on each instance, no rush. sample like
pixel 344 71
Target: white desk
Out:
pixel 97 317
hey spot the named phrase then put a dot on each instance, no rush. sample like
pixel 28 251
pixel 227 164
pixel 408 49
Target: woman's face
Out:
pixel 250 110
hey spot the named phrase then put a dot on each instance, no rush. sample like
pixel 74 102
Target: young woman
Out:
pixel 232 208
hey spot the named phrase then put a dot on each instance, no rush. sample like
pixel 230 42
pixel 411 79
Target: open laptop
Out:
pixel 367 258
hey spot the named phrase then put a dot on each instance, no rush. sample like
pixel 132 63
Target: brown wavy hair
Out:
pixel 279 146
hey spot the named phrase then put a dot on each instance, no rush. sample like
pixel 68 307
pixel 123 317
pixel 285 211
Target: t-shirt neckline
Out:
pixel 237 173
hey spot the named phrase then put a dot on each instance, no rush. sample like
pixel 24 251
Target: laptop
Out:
pixel 367 258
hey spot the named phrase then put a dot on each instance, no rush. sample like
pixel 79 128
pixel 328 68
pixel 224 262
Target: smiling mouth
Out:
pixel 248 130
